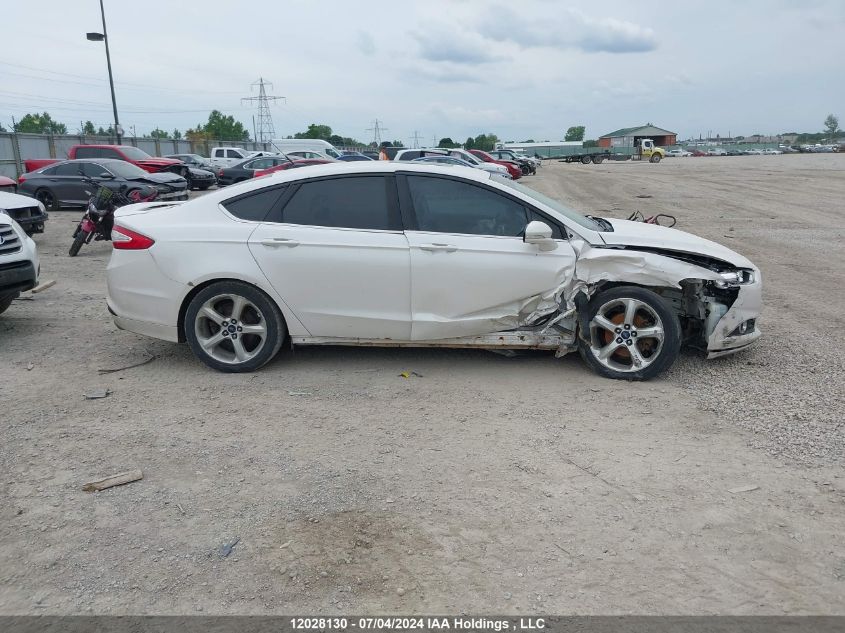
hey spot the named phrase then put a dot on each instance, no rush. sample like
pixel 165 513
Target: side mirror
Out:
pixel 539 233
pixel 106 176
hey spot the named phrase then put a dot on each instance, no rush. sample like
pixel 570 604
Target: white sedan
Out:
pixel 407 254
pixel 679 153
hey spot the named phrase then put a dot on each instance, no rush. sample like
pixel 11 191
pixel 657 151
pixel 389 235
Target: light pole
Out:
pixel 104 37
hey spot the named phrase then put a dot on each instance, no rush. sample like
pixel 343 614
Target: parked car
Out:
pixel 324 149
pixel 291 165
pixel 62 184
pixel 451 160
pixel 408 254
pixel 678 153
pixel 28 213
pixel 513 168
pixel 307 154
pixel 754 152
pixel 413 154
pixel 200 171
pixel 128 153
pixel 8 185
pixel 246 169
pixel 493 168
pixel 733 151
pixel 193 160
pixel 698 152
pixel 353 156
pixel 526 166
pixel 717 151
pixel 19 265
pixel 769 151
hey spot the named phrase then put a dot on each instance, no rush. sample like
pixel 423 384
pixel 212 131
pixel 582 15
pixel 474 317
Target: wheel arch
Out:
pixel 195 290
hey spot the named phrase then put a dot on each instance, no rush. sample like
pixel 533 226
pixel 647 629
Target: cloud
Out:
pixel 439 43
pixel 569 29
pixel 442 73
pixel 364 42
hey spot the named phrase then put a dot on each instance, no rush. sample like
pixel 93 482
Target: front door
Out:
pixel 471 272
pixel 337 256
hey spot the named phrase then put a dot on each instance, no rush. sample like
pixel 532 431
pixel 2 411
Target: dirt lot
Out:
pixel 514 485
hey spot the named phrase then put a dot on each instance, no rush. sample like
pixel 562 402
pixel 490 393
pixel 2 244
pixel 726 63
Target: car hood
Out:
pixel 158 162
pixel 654 237
pixel 201 172
pixel 161 178
pixel 16 201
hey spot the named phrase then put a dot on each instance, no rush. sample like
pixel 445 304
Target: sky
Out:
pixel 437 68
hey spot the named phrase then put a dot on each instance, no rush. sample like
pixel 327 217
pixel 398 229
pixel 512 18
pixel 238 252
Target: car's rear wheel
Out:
pixel 48 199
pixel 632 334
pixel 234 327
pixel 585 160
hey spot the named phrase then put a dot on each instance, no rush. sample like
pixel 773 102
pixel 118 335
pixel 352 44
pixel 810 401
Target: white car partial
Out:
pixel 681 153
pixel 493 168
pixel 19 264
pixel 416 255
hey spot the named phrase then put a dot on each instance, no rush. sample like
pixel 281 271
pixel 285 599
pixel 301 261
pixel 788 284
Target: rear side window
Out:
pixel 234 154
pixel 68 169
pixel 353 203
pixel 255 206
pixel 88 152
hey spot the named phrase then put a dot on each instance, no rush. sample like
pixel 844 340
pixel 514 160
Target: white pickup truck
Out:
pixel 19 264
pixel 227 156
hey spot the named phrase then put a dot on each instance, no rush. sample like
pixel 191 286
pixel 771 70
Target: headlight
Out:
pixel 733 278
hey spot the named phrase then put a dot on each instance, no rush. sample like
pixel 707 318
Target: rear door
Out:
pixel 337 256
pixel 471 272
pixel 67 185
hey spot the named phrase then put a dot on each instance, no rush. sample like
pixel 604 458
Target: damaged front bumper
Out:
pixel 738 326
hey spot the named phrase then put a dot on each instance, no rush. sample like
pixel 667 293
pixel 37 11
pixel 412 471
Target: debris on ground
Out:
pixel 97 394
pixel 29 366
pixel 114 480
pixel 408 374
pixel 227 548
pixel 43 286
pixel 749 488
pixel 138 364
pixel 299 393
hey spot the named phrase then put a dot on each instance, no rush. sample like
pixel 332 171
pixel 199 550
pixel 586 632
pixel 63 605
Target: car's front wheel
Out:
pixel 6 301
pixel 232 326
pixel 632 334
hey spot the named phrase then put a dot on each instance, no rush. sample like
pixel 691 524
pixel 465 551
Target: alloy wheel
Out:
pixel 230 329
pixel 626 335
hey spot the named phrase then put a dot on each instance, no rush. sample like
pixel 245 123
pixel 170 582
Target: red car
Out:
pixel 128 153
pixel 292 165
pixel 513 169
pixel 8 185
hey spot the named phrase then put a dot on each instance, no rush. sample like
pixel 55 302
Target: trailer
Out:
pixel 645 149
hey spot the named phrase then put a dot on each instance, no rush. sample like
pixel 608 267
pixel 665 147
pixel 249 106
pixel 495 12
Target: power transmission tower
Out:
pixel 416 139
pixel 377 129
pixel 265 130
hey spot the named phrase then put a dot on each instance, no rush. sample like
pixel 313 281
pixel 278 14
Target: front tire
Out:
pixel 78 240
pixel 632 334
pixel 6 301
pixel 655 158
pixel 234 327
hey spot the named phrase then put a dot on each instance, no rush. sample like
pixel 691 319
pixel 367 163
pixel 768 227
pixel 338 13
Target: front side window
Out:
pixel 452 206
pixel 354 203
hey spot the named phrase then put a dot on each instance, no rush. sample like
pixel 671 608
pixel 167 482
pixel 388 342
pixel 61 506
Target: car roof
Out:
pixel 341 168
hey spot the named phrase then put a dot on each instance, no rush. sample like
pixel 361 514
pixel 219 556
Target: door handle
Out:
pixel 280 241
pixel 448 248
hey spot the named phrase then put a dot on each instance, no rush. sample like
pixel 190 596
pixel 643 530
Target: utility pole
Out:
pixel 377 129
pixel 265 131
pixel 104 37
pixel 416 140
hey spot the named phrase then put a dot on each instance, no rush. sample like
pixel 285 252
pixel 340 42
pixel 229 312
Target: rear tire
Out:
pixel 6 301
pixel 632 335
pixel 48 199
pixel 597 160
pixel 234 327
pixel 78 241
pixel 585 160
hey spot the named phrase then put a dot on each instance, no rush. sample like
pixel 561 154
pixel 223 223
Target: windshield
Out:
pixel 125 170
pixel 133 153
pixel 331 152
pixel 565 211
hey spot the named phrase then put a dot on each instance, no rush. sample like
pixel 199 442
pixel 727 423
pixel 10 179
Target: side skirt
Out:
pixel 513 340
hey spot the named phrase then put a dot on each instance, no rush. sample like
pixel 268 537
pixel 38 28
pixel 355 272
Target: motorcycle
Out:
pixel 98 220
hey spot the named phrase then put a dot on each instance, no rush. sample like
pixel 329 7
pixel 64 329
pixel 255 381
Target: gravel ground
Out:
pixel 486 483
pixel 785 214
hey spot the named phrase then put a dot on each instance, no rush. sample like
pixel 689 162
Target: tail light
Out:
pixel 127 239
pixel 220 174
pixel 21 180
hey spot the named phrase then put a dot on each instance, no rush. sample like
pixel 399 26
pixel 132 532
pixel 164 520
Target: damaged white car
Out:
pixel 417 255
